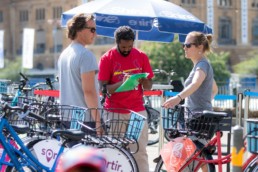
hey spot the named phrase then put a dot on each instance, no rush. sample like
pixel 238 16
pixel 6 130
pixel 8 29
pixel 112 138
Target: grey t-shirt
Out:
pixel 201 99
pixel 74 61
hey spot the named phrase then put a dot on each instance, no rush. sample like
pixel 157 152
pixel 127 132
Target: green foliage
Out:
pixel 11 70
pixel 249 66
pixel 171 57
pixel 219 65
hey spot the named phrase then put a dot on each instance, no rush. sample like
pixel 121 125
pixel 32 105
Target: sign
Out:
pixel 244 21
pixel 210 14
pixel 27 48
pixel 1 49
pixel 177 152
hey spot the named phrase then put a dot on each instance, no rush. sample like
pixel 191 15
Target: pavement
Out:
pixel 153 152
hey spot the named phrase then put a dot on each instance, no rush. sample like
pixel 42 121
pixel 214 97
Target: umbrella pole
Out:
pixel 136 38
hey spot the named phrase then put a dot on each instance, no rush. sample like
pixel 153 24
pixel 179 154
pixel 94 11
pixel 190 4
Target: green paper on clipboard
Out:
pixel 131 82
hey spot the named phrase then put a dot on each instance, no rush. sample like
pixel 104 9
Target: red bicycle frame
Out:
pixel 216 141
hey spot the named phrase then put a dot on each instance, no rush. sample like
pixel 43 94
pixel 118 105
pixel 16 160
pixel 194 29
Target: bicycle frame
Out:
pixel 24 153
pixel 219 161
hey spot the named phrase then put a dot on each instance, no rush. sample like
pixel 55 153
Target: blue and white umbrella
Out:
pixel 154 20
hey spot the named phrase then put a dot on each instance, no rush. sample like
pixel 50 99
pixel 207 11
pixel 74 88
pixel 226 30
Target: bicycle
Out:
pixel 113 142
pixel 198 134
pixel 41 155
pixel 251 164
pixel 153 114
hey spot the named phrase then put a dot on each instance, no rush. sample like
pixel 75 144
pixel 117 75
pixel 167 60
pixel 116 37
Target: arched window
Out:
pixel 255 32
pixel 58 40
pixel 224 3
pixel 225 31
pixel 40 41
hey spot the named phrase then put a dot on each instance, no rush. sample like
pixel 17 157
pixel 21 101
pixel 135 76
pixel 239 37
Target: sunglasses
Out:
pixel 188 45
pixel 92 29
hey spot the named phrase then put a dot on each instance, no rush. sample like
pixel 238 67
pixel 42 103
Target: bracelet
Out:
pixel 180 97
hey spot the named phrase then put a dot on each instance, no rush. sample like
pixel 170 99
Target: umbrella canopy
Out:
pixel 154 20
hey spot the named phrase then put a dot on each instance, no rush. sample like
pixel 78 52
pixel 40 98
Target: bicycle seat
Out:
pixel 75 135
pixel 214 114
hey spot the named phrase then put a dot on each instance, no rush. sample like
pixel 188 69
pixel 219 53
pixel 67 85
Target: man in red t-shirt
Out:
pixel 115 66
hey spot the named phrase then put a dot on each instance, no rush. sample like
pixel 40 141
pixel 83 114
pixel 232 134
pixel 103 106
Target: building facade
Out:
pixel 234 23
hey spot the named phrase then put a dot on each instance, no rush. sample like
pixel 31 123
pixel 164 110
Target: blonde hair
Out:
pixel 200 38
pixel 77 23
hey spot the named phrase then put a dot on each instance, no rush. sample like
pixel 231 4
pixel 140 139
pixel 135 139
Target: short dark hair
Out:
pixel 124 33
pixel 77 23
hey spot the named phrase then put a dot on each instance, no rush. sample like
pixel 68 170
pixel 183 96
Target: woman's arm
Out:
pixel 214 89
pixel 197 81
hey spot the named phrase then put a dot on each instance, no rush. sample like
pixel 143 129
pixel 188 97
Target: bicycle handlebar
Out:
pixel 160 71
pixel 7 108
pixel 24 77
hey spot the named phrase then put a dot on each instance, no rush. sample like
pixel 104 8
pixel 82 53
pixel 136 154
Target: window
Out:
pixel 255 32
pixel 1 17
pixel 224 3
pixel 40 14
pixel 57 40
pixel 188 1
pixel 225 31
pixel 57 12
pixel 255 4
pixel 40 41
pixel 101 40
pixel 24 15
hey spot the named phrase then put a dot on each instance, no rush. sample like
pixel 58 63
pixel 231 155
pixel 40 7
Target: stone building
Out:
pixel 234 22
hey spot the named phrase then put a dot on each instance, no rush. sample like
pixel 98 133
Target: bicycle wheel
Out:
pixel 252 166
pixel 153 125
pixel 160 167
pixel 119 159
pixel 29 144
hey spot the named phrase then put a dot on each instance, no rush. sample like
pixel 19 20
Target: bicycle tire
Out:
pixel 123 154
pixel 252 166
pixel 153 125
pixel 26 168
pixel 160 167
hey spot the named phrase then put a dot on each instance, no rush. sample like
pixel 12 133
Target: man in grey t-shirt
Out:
pixel 78 67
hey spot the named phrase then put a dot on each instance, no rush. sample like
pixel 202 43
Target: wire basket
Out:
pixel 122 126
pixel 26 101
pixel 3 86
pixel 12 88
pixel 252 135
pixel 203 125
pixel 172 118
pixel 20 119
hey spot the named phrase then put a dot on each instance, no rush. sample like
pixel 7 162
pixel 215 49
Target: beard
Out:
pixel 123 53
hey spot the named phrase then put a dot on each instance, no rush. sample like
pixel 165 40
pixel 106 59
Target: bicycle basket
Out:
pixel 123 126
pixel 252 135
pixel 3 86
pixel 25 101
pixel 204 125
pixel 19 119
pixel 172 117
pixel 67 116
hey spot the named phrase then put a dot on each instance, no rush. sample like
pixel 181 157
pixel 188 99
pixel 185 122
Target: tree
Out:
pixel 249 66
pixel 11 70
pixel 219 63
pixel 170 56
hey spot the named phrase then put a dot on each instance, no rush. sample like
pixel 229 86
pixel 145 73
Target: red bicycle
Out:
pixel 191 149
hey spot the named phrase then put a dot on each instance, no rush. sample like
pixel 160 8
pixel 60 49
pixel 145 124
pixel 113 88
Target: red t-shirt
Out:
pixel 111 68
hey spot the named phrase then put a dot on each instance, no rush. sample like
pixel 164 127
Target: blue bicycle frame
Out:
pixel 25 158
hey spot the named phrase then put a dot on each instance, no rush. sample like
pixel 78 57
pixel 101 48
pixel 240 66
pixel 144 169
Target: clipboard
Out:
pixel 131 82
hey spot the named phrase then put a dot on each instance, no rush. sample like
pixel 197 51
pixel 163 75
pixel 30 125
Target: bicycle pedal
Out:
pixel 211 149
pixel 156 160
